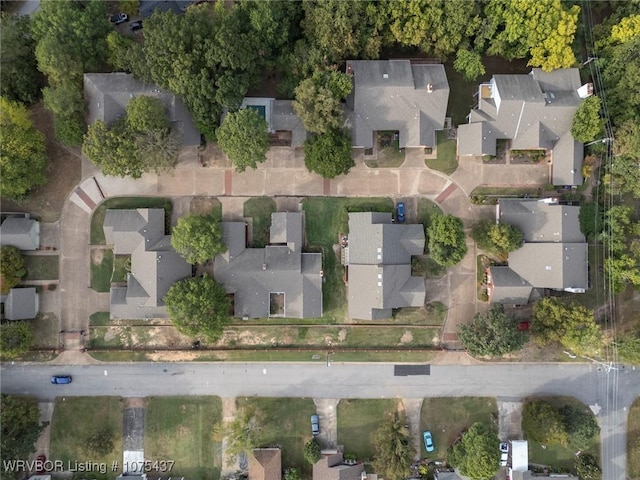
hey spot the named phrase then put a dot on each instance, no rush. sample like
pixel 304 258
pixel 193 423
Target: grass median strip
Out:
pixel 41 267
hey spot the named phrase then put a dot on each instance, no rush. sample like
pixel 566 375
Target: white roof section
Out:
pixel 519 455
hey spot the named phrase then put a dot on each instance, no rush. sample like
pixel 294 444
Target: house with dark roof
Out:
pixel 155 265
pixel 553 256
pixel 533 112
pixel 332 466
pixel 265 464
pixel 396 95
pixel 108 94
pixel 148 7
pixel 378 260
pixel 20 232
pixel 21 304
pixel 276 281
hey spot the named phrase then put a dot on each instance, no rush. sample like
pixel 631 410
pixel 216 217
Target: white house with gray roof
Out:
pixel 276 281
pixel 20 232
pixel 108 94
pixel 534 112
pixel 155 265
pixel 553 256
pixel 379 265
pixel 396 95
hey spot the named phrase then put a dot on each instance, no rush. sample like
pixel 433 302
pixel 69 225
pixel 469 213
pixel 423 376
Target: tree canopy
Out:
pixel 113 149
pixel 329 154
pixel 492 333
pixel 447 243
pixel 469 64
pixel 497 238
pixel 394 451
pixel 20 424
pixel 242 434
pixel 543 424
pixel 587 124
pixel 11 268
pixel 587 467
pixel 572 325
pixel 243 136
pixel 580 425
pixel 197 238
pixel 477 454
pixel 198 307
pixel 312 451
pixel 23 161
pixel 146 114
pixel 15 340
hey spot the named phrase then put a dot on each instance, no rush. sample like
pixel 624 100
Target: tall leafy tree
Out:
pixel 242 434
pixel 447 243
pixel 312 451
pixel 497 238
pixel 477 454
pixel 492 333
pixel 580 425
pixel 20 426
pixel 621 76
pixel 587 467
pixel 21 80
pixel 23 161
pixel 158 150
pixel 198 307
pixel 146 114
pixel 243 136
pixel 125 54
pixel 587 124
pixel 113 149
pixel 624 175
pixel 197 238
pixel 469 64
pixel 11 268
pixel 543 424
pixel 394 452
pixel 572 325
pixel 15 340
pixel 329 154
pixel 67 105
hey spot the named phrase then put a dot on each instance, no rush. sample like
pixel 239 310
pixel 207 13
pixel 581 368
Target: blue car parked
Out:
pixel 428 441
pixel 400 214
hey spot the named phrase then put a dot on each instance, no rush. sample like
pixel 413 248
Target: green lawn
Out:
pixel 426 210
pixel 633 441
pixel 99 319
pixel 76 418
pixel 432 314
pixel 260 210
pixel 180 429
pixel 97 220
pixel 357 420
pixel 101 272
pixel 446 160
pixel 285 422
pixel 45 330
pixel 561 458
pixel 121 266
pixel 448 418
pixel 206 206
pixel 41 267
pixel 325 218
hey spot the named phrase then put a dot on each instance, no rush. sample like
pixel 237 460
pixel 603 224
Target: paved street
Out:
pixel 610 394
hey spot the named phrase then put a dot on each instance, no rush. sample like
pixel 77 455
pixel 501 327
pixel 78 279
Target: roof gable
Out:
pixel 22 233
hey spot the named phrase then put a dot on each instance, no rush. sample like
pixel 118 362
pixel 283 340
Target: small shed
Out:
pixel 23 233
pixel 21 304
pixel 519 455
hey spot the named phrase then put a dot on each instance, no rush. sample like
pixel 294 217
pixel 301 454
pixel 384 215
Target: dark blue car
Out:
pixel 61 379
pixel 400 215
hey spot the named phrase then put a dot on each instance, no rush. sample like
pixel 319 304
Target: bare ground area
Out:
pixel 63 174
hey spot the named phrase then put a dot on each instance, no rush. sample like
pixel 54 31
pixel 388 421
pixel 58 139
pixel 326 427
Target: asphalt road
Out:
pixel 609 393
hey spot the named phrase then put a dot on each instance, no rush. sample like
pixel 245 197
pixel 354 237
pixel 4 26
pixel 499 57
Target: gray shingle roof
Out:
pixel 509 287
pixel 393 95
pixel 155 265
pixel 22 233
pixel 252 274
pixel 21 304
pixel 284 118
pixel 558 266
pixel 542 221
pixel 108 94
pixel 380 265
pixel 535 111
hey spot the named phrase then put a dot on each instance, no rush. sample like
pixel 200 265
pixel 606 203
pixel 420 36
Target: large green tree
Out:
pixel 65 101
pixel 197 238
pixel 587 467
pixel 543 424
pixel 447 243
pixel 477 454
pixel 329 154
pixel 572 325
pixel 312 451
pixel 158 150
pixel 492 333
pixel 624 175
pixel 146 114
pixel 580 425
pixel 20 426
pixel 21 80
pixel 16 338
pixel 318 100
pixel 23 162
pixel 198 307
pixel 621 76
pixel 469 64
pixel 587 124
pixel 242 434
pixel 11 267
pixel 394 452
pixel 125 54
pixel 113 149
pixel 497 238
pixel 243 136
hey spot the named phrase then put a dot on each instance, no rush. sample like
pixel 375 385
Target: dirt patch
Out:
pixel 203 205
pixel 63 173
pixel 97 255
pixel 130 402
pixel 407 337
pixel 342 334
pixel 185 356
pixel 213 156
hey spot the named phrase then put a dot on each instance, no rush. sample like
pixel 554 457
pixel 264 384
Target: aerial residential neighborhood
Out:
pixel 319 240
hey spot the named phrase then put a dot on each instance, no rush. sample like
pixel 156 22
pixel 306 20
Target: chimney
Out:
pixel 429 87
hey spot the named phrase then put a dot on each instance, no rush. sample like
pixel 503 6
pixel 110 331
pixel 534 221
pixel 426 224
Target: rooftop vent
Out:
pixel 264 266
pixel 429 87
pixel 385 75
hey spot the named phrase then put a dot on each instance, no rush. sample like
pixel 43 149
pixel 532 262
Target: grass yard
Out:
pixel 357 420
pixel 99 319
pixel 285 422
pixel 121 266
pixel 325 218
pixel 75 419
pixel 206 206
pixel 101 269
pixel 633 441
pixel 447 418
pixel 45 330
pixel 427 210
pixel 180 429
pixel 260 210
pixel 41 267
pixel 446 160
pixel 432 314
pixel 97 220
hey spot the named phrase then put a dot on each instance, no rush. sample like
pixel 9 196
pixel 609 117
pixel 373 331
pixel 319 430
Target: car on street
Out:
pixel 61 379
pixel 400 214
pixel 119 18
pixel 428 441
pixel 136 25
pixel 315 425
